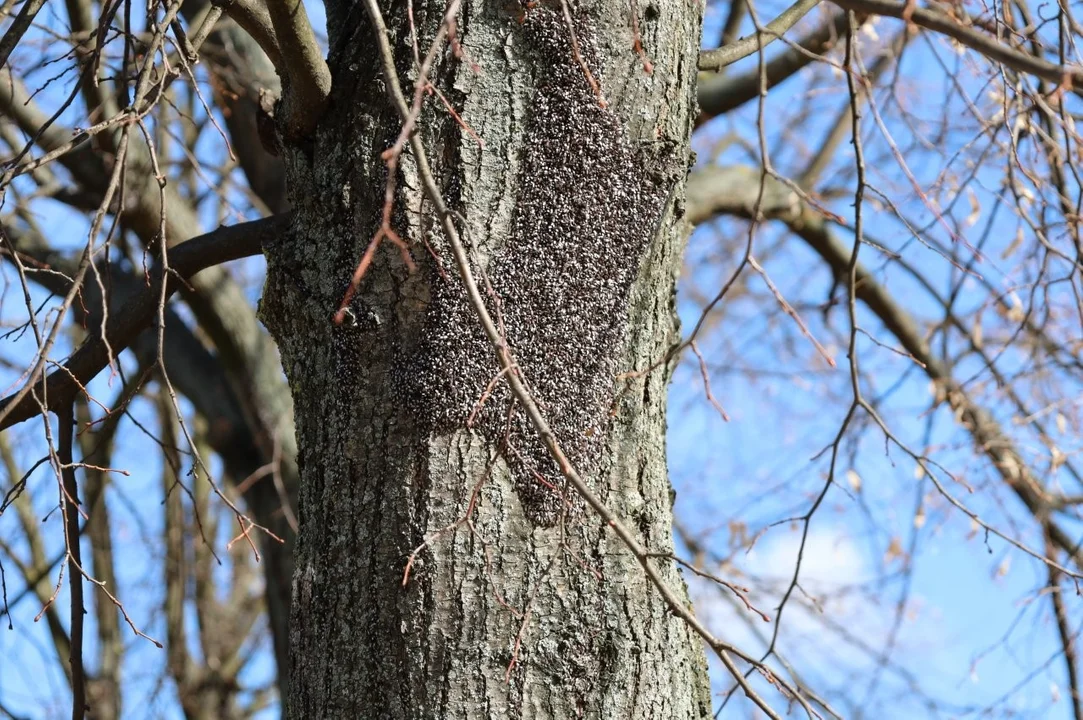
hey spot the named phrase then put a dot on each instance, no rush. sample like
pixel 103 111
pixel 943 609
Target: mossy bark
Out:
pixel 525 611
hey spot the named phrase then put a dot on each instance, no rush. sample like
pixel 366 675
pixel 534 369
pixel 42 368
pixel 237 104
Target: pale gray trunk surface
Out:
pixel 573 211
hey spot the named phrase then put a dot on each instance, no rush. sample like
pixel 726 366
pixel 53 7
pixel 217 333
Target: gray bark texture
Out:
pixel 572 211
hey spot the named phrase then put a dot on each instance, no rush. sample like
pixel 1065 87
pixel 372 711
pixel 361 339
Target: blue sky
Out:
pixel 965 595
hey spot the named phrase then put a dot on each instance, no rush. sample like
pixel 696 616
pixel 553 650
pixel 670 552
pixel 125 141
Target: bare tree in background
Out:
pixel 455 501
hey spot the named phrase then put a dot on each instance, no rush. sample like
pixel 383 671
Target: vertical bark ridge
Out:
pixel 378 476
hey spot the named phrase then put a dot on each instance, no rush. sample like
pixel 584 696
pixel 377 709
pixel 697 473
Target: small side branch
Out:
pixel 185 260
pixel 1064 76
pixel 255 20
pixel 18 28
pixel 719 94
pixel 308 79
pixel 716 60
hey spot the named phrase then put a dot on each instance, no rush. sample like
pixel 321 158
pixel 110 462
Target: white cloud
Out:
pixel 836 593
pixel 831 558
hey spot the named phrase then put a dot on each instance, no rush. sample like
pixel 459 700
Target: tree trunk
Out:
pixel 572 212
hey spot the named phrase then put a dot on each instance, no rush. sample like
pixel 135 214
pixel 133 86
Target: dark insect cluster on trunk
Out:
pixel 587 206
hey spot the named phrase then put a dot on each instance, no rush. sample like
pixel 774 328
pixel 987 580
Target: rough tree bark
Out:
pixel 572 208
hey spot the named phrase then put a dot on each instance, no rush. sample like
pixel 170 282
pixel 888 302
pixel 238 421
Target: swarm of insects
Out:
pixel 560 284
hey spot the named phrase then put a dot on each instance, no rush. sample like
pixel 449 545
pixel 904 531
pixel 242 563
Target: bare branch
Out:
pixel 1070 77
pixel 104 688
pixel 186 259
pixel 256 21
pixel 737 13
pixel 719 94
pixel 18 29
pixel 731 190
pixel 1067 639
pixel 70 502
pixel 308 79
pixel 715 60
